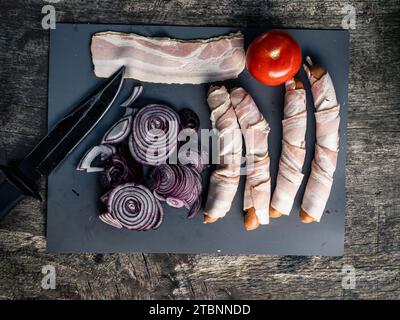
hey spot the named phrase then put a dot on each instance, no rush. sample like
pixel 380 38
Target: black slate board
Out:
pixel 72 223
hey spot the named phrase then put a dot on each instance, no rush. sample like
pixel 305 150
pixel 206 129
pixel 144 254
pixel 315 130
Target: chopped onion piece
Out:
pixel 119 131
pixel 121 168
pixel 137 91
pixel 104 151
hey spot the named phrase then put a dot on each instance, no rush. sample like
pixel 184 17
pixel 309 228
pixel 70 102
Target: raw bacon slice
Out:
pixel 293 153
pixel 224 180
pixel 167 60
pixel 255 130
pixel 327 118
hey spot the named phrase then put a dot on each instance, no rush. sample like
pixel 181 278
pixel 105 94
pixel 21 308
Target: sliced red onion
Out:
pixel 193 156
pixel 121 168
pixel 163 179
pixel 134 207
pixel 191 152
pixel 176 203
pixel 104 198
pixel 154 134
pixel 137 91
pixel 118 131
pixel 193 188
pixel 104 151
pixel 189 119
pixel 109 219
pixel 115 173
pixel 135 167
pixel 180 186
pixel 195 209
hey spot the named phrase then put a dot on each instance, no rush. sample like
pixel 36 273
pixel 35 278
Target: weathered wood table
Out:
pixel 373 161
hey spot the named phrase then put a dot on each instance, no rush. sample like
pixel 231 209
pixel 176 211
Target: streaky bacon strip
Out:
pixel 294 125
pixel 167 60
pixel 255 130
pixel 224 180
pixel 327 118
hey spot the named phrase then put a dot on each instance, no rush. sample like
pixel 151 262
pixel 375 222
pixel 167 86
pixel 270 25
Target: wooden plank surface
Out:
pixel 372 174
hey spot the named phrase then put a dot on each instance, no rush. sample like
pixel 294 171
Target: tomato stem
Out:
pixel 275 54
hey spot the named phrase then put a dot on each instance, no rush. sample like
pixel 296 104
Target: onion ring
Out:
pixel 134 207
pixel 180 186
pixel 154 135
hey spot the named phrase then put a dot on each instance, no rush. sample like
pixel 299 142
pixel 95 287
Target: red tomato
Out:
pixel 274 57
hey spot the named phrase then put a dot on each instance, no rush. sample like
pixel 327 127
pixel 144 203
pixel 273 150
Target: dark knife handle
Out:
pixel 10 196
pixel 13 188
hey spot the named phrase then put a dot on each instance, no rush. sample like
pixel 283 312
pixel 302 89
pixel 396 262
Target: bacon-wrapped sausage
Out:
pixel 255 130
pixel 224 180
pixel 290 174
pixel 323 167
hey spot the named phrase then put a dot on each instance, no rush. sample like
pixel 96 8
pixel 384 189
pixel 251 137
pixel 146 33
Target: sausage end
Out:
pixel 250 220
pixel 305 217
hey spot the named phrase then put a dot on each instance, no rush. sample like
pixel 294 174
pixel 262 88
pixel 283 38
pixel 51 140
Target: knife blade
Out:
pixel 20 181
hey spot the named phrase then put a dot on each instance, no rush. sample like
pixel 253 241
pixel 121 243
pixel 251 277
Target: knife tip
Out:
pixel 121 70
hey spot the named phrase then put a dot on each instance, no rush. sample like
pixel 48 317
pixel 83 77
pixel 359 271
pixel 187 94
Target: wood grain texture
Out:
pixel 372 174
